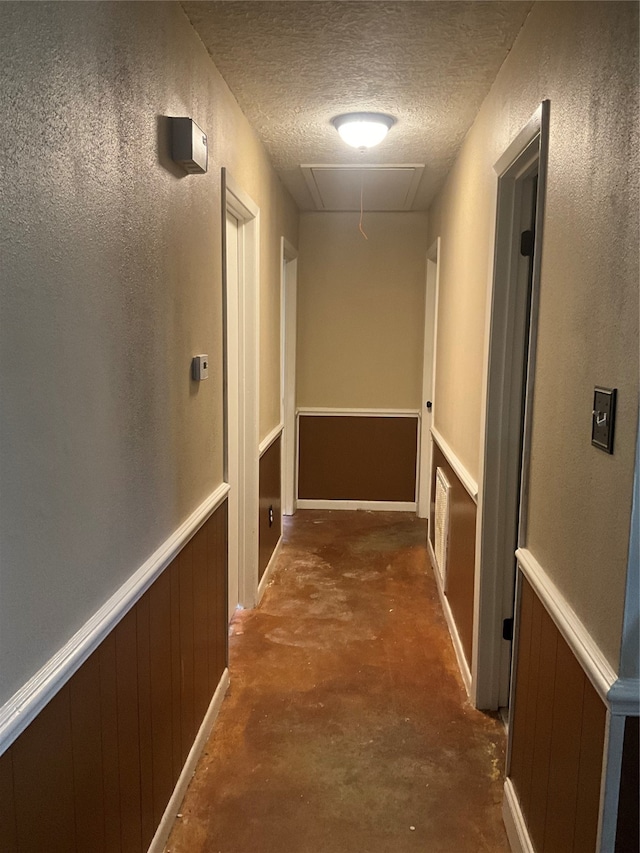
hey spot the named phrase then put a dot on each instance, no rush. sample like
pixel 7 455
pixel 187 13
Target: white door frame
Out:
pixel 502 404
pixel 242 337
pixel 288 326
pixel 428 378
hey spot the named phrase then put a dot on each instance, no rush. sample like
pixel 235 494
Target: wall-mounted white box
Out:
pixel 189 145
pixel 200 367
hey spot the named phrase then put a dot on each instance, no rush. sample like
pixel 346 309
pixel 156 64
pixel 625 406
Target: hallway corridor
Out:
pixel 346 728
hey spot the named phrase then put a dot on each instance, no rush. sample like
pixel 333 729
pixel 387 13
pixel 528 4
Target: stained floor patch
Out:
pixel 346 728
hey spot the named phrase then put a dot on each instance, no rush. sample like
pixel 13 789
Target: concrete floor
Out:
pixel 346 728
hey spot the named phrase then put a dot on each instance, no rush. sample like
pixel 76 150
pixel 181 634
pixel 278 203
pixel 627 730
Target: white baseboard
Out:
pixel 465 672
pixel 514 822
pixel 376 506
pixel 264 580
pixel 25 705
pixel 173 806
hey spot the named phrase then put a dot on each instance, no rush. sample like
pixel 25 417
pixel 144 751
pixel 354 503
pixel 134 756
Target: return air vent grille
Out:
pixel 441 524
pixel 382 188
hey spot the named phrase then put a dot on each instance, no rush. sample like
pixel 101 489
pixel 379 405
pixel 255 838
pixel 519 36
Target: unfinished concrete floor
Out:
pixel 346 728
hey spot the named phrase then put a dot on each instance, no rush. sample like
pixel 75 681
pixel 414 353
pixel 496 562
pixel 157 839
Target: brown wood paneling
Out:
pixel 270 496
pixel 176 670
pixel 519 715
pixel 217 548
pixel 8 834
pixel 461 554
pixel 95 770
pixel 202 696
pixel 357 458
pixel 128 733
pixel 109 736
pixel 161 693
pixel 544 719
pixel 43 780
pixel 84 694
pixel 557 736
pixel 564 764
pixel 187 702
pixel 594 715
pixel 143 617
pixel 531 707
pixel 628 831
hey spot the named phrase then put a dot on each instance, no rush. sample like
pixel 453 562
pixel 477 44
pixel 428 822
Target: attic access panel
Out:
pixel 383 188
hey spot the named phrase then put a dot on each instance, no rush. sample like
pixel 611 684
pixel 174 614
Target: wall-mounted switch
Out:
pixel 603 418
pixel 200 367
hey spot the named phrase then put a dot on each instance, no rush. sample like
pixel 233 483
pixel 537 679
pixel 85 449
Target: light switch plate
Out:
pixel 603 418
pixel 200 367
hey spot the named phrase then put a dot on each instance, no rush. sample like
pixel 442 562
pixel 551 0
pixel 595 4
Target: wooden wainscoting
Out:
pixel 557 732
pixel 270 496
pixel 461 550
pixel 357 457
pixel 93 773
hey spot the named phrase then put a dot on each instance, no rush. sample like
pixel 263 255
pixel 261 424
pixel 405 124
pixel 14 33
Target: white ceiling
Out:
pixel 296 64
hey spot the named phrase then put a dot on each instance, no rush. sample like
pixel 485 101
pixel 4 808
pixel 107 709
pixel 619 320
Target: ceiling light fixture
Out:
pixel 363 130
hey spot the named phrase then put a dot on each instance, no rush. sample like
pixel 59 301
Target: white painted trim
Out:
pixel 231 275
pixel 247 212
pixel 264 580
pixel 361 413
pixel 501 484
pixel 239 202
pixel 289 300
pixel 470 485
pixel 173 806
pixel 289 251
pixel 425 444
pixel 24 706
pixel 596 667
pixel 371 506
pixel 266 442
pixel 517 832
pixel 624 697
pixel 527 134
pixel 463 666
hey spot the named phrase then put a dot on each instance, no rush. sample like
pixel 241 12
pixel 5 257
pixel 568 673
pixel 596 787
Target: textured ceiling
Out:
pixel 294 65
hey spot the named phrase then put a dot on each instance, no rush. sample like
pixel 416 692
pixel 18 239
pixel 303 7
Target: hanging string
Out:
pixel 361 206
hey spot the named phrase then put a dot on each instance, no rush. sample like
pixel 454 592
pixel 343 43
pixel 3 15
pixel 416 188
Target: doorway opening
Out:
pixel 521 174
pixel 241 312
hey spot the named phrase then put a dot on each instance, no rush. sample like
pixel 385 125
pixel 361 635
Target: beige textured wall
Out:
pixel 110 281
pixel 361 310
pixel 584 58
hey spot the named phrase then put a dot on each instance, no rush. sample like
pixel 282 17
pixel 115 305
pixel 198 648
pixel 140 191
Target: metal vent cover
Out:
pixel 441 524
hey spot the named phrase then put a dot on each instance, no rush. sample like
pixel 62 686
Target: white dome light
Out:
pixel 363 130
